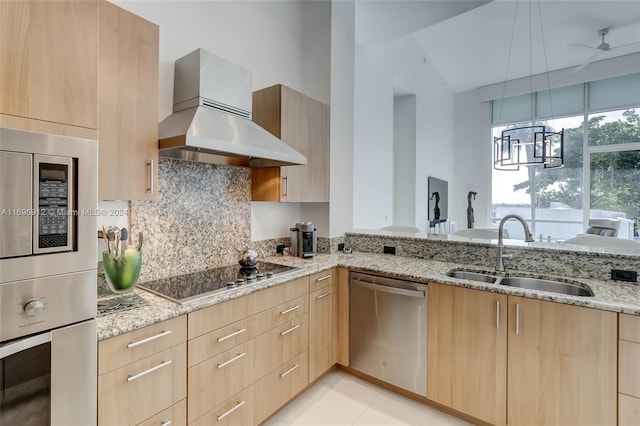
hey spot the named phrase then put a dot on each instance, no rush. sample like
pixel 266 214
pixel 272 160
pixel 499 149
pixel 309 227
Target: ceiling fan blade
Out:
pixel 624 45
pixel 583 45
pixel 585 63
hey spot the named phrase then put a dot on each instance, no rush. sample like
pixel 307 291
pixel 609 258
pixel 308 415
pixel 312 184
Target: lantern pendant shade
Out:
pixel 528 146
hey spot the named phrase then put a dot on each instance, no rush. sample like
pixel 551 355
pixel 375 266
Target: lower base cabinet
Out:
pixel 629 371
pixel 562 364
pixel 176 414
pixel 278 387
pixel 235 411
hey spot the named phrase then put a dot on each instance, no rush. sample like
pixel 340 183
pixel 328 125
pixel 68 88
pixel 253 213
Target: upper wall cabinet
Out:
pixel 302 123
pixel 49 60
pixel 128 106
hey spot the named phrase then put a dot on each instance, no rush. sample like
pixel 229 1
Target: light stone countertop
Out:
pixel 608 295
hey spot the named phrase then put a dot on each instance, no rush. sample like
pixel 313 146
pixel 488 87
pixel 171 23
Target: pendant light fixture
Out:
pixel 528 145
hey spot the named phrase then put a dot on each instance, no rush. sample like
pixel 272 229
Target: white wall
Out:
pixel 341 191
pixel 398 66
pixel 284 42
pixel 473 158
pixel 404 154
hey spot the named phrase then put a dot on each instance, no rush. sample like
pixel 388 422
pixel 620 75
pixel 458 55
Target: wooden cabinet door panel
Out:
pixel 133 393
pixel 467 351
pixel 128 113
pixel 236 411
pixel 561 364
pixel 213 381
pixel 280 344
pixel 278 387
pixel 321 326
pixel 342 317
pixel 49 61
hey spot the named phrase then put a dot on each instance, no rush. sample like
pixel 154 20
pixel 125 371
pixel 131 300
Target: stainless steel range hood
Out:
pixel 211 120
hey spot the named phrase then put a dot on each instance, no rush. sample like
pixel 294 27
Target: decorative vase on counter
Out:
pixel 122 270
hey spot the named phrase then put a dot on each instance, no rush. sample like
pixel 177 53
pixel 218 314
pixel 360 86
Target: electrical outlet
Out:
pixel 389 250
pixel 622 275
pixel 280 249
pixel 340 246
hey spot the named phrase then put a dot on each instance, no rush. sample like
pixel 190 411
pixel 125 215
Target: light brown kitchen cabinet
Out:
pixel 142 375
pixel 236 344
pixel 302 123
pixel 279 386
pixel 128 106
pixel 629 370
pixel 322 313
pixel 49 62
pixel 467 351
pixel 342 317
pixel 562 365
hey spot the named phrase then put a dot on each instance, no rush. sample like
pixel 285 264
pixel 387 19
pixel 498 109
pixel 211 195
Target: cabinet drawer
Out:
pixel 127 348
pixel 629 368
pixel 322 279
pixel 214 381
pixel 277 388
pixel 211 344
pixel 265 321
pixel 223 314
pixel 176 414
pixel 280 344
pixel 628 410
pixel 274 296
pixel 137 391
pixel 235 411
pixel 630 327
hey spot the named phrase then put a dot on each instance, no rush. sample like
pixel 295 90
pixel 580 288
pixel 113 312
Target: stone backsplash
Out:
pixel 555 261
pixel 202 216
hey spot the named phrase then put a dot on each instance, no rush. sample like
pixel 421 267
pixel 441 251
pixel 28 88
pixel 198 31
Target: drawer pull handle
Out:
pixel 148 339
pixel 517 319
pixel 322 296
pixel 235 358
pixel 167 423
pixel 150 187
pixel 295 327
pixel 289 370
pixel 497 315
pixel 235 407
pixel 222 339
pixel 326 277
pixel 290 310
pixel 151 370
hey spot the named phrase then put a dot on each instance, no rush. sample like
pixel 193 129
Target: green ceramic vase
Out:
pixel 122 271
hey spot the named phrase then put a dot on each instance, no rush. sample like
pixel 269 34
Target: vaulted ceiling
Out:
pixel 475 43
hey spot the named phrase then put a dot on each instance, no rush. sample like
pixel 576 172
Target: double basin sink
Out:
pixel 572 289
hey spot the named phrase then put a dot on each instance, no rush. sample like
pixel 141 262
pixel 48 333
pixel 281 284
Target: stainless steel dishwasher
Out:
pixel 388 330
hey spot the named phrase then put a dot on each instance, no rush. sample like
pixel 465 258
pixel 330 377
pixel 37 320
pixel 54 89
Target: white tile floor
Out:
pixel 342 399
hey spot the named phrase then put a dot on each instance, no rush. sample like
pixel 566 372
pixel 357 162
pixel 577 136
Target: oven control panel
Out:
pixel 41 304
pixel 54 191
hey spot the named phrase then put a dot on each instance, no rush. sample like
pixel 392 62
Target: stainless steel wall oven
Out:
pixel 48 345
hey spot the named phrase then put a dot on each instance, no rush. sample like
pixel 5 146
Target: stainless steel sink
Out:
pixel 524 282
pixel 473 276
pixel 547 285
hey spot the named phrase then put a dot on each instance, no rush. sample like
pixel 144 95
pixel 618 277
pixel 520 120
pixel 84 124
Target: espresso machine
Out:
pixel 304 240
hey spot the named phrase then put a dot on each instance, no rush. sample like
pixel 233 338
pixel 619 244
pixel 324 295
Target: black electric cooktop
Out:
pixel 189 287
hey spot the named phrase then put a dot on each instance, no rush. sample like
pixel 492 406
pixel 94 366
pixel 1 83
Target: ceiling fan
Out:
pixel 599 50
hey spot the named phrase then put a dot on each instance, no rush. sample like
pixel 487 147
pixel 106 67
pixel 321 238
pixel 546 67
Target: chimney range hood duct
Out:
pixel 211 120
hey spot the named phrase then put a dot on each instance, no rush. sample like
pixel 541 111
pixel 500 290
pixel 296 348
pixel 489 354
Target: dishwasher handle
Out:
pixel 389 289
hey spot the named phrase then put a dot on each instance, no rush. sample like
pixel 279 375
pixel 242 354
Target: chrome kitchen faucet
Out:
pixel 527 238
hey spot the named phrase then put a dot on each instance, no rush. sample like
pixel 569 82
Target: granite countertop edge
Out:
pixel 612 296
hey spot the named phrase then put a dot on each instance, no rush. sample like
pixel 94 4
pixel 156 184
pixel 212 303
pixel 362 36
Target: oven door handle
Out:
pixel 24 344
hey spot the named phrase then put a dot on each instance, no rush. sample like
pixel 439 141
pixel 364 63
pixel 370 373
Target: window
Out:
pixel 557 203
